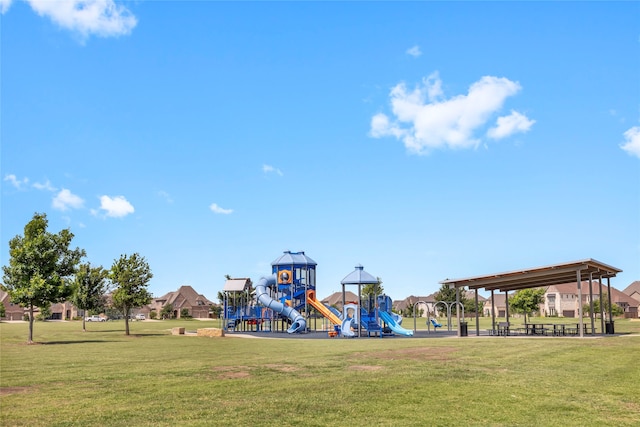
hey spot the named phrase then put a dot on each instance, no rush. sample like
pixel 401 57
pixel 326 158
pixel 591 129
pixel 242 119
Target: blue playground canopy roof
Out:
pixel 359 276
pixel 293 258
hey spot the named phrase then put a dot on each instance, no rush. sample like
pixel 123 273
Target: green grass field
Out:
pixel 103 378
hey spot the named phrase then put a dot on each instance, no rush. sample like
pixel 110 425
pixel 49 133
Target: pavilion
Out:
pixel 539 277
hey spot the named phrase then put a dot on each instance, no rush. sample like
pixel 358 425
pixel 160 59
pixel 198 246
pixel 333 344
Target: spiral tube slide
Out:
pixel 298 324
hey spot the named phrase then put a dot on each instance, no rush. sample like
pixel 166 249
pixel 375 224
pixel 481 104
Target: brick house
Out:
pixel 185 297
pixel 423 305
pixel 633 290
pixel 12 311
pixel 562 300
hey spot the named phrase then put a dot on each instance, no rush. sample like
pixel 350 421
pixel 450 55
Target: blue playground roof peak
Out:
pixel 359 276
pixel 293 258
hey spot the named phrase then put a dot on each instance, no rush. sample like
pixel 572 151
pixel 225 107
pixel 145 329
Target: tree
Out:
pixel 40 266
pixel 89 287
pixel 167 311
pixel 373 289
pixel 447 294
pixel 130 275
pixel 616 310
pixel 3 310
pixel 526 301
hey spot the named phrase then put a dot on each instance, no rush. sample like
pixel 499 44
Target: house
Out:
pixel 633 290
pixel 12 311
pixel 197 305
pixel 424 306
pixel 499 305
pixel 64 311
pixel 562 300
pixel 335 299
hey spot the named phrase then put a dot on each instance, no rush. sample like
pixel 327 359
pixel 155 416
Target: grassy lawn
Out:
pixel 103 378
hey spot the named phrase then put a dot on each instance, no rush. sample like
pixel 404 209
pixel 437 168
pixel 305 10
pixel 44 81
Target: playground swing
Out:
pixel 436 324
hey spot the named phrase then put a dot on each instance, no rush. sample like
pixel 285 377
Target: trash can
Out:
pixel 464 329
pixel 608 327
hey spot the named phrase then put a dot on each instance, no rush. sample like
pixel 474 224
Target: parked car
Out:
pixel 95 319
pixel 140 316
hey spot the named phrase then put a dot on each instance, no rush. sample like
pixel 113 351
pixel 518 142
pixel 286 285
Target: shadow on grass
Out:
pixel 71 342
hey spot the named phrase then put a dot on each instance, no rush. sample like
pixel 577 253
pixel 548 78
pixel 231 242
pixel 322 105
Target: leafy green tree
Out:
pixel 89 287
pixel 447 294
pixel 167 311
pixel 616 310
pixel 216 310
pixel 130 275
pixel 45 312
pixel 527 301
pixel 184 314
pixel 3 310
pixel 40 267
pixel 373 289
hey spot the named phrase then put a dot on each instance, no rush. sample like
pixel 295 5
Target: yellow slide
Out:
pixel 311 299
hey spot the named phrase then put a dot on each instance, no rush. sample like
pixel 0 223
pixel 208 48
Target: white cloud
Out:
pixel 414 51
pixel 17 183
pixel 219 210
pixel 4 5
pixel 66 200
pixel 271 169
pixel 508 125
pixel 44 186
pixel 100 17
pixel 425 120
pixel 632 146
pixel 116 207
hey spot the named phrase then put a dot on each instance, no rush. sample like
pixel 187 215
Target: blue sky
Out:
pixel 424 141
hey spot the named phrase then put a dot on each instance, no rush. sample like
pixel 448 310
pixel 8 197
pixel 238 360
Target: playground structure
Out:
pixel 287 300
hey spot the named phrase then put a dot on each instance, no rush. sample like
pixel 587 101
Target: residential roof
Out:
pixel 411 300
pixel 537 276
pixel 185 295
pixel 336 298
pixel 359 277
pixel 633 290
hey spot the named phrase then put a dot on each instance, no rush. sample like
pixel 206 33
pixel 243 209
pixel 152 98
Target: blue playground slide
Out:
pixel 395 327
pixel 298 324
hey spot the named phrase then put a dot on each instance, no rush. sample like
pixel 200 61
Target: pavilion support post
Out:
pixel 359 315
pixel 493 312
pixel 580 320
pixel 458 310
pixel 506 305
pixel 609 296
pixel 602 328
pixel 593 325
pixel 477 315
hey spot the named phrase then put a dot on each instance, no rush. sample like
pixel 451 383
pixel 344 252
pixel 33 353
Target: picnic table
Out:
pixel 555 329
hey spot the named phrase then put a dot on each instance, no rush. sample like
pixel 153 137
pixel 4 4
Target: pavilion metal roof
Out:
pixel 359 276
pixel 538 276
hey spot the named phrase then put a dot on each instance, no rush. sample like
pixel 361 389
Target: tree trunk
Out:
pixel 84 327
pixel 30 340
pixel 126 321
